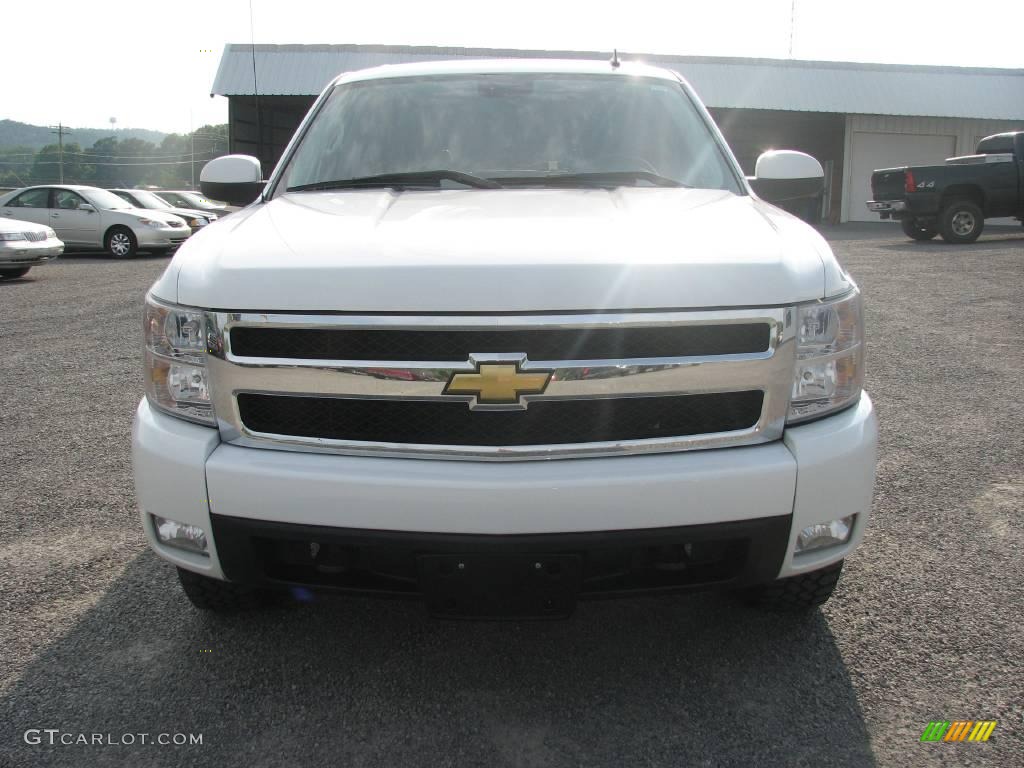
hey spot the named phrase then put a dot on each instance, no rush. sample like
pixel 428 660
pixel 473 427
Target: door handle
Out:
pixel 54 215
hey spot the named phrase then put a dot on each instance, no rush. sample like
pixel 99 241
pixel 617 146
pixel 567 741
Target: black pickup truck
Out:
pixel 954 199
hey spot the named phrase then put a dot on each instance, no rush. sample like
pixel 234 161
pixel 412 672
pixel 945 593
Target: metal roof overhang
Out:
pixel 778 84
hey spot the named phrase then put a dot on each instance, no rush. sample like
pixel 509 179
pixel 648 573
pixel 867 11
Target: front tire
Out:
pixel 11 274
pixel 796 594
pixel 961 222
pixel 916 231
pixel 218 596
pixel 121 243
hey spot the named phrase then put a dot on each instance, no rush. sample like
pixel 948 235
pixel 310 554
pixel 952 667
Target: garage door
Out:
pixel 888 150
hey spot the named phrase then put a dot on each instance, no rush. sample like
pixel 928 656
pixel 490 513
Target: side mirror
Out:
pixel 782 175
pixel 236 179
pixel 87 207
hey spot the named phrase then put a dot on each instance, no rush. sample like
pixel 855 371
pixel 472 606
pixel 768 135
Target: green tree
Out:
pixel 111 162
pixel 103 156
pixel 210 141
pixel 175 148
pixel 46 166
pixel 136 160
pixel 16 166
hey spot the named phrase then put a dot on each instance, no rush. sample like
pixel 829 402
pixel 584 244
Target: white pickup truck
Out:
pixel 501 336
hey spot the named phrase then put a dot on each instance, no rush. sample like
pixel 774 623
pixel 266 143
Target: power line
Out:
pixel 86 153
pixel 88 159
pixel 104 165
pixel 128 161
pixel 143 157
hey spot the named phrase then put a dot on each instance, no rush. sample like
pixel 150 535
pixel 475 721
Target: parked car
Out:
pixel 90 217
pixel 575 237
pixel 141 198
pixel 194 200
pixel 954 199
pixel 25 244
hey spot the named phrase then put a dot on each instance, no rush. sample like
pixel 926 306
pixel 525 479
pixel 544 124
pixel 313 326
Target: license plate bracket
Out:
pixel 485 586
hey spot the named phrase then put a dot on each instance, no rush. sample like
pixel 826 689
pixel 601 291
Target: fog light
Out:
pixel 822 535
pixel 180 535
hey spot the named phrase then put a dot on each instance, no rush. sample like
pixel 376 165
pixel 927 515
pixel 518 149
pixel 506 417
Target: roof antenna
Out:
pixel 255 88
pixel 615 58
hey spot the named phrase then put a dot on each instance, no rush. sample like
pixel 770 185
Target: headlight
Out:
pixel 12 236
pixel 176 378
pixel 154 223
pixel 197 222
pixel 830 357
pixel 50 234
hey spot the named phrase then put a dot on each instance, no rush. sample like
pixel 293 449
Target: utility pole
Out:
pixel 61 132
pixel 792 23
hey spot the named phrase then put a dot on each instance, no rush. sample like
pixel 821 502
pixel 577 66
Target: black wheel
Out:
pixel 796 593
pixel 11 274
pixel 961 221
pixel 219 596
pixel 916 231
pixel 121 243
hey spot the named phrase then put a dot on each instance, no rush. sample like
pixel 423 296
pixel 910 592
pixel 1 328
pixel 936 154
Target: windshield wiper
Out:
pixel 400 180
pixel 600 178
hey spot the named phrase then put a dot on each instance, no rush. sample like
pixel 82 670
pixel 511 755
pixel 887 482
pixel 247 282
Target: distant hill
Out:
pixel 15 134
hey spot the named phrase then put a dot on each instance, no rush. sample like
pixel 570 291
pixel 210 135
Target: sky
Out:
pixel 151 64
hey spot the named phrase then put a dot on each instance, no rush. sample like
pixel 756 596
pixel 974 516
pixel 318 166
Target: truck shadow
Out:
pixel 985 244
pixel 687 680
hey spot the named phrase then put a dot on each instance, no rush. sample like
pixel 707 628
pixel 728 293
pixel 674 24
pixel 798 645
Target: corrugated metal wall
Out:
pixel 264 134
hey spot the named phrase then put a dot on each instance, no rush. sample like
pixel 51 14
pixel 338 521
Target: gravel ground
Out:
pixel 926 624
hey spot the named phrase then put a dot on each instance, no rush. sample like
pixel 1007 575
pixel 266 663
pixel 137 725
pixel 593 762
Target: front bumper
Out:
pixel 149 237
pixel 17 253
pixel 762 495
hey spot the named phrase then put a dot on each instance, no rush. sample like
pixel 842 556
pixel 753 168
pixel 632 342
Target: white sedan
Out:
pixel 24 245
pixel 90 217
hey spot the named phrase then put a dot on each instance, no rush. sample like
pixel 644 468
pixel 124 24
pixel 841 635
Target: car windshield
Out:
pixel 149 200
pixel 515 129
pixel 105 200
pixel 192 200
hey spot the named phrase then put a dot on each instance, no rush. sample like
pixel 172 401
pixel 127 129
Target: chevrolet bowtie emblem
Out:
pixel 498 384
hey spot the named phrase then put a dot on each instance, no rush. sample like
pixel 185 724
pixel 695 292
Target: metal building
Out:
pixel 853 117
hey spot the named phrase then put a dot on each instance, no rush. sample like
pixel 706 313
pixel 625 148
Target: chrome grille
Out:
pixel 535 343
pixel 35 237
pixel 722 378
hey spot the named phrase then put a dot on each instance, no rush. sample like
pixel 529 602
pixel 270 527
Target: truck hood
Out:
pixel 515 250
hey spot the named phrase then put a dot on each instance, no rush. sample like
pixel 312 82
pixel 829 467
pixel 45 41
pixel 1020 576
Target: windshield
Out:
pixel 149 200
pixel 192 200
pixel 105 200
pixel 517 129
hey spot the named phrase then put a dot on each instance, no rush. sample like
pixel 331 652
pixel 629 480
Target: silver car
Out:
pixel 90 217
pixel 24 245
pixel 142 198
